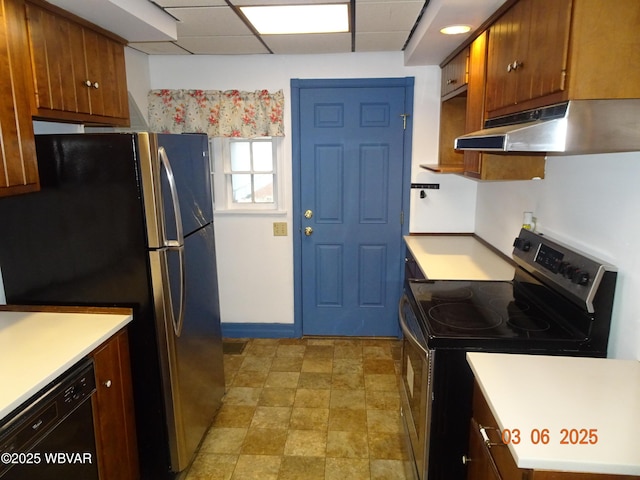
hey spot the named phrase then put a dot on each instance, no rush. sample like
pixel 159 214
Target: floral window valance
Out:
pixel 230 113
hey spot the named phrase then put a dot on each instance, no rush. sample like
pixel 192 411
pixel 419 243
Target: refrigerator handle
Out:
pixel 164 160
pixel 177 326
pixel 178 243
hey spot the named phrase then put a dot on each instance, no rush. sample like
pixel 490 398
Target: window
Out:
pixel 245 173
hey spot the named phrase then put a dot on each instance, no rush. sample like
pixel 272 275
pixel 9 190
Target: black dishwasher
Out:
pixel 51 435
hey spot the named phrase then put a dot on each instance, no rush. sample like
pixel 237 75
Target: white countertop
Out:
pixel 457 257
pixel 532 392
pixel 35 348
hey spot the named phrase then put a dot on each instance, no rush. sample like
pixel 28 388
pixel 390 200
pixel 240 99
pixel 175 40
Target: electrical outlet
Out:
pixel 279 229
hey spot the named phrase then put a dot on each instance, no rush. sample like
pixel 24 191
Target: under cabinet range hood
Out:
pixel 572 127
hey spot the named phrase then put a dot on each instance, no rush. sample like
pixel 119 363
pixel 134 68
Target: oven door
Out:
pixel 417 386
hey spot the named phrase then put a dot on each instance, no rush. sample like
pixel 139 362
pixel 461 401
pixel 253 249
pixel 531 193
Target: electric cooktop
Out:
pixel 485 309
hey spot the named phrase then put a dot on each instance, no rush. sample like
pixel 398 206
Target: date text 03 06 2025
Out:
pixel 542 436
pixel 53 458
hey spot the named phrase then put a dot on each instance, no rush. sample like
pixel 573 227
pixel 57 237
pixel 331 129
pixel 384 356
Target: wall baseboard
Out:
pixel 260 330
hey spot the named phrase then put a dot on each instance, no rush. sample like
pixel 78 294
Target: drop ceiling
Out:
pixel 214 27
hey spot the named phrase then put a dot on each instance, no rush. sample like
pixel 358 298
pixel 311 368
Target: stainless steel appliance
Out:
pixel 51 435
pixel 559 303
pixel 127 219
pixel 571 128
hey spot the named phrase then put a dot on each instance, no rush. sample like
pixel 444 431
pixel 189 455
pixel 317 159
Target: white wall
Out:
pixel 590 201
pixel 138 80
pixel 250 259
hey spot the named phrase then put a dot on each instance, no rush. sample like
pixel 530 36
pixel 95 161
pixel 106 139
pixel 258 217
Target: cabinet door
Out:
pixel 18 166
pixel 546 67
pixel 506 46
pixel 113 411
pixel 528 51
pixel 106 67
pixel 52 41
pixel 454 73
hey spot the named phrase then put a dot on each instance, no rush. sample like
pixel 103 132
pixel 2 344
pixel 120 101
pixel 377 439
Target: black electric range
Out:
pixel 559 303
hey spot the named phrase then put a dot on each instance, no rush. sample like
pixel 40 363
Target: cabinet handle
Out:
pixel 96 85
pixel 465 460
pixel 451 81
pixel 487 448
pixel 90 84
pixel 87 83
pixel 514 66
pixel 107 383
pixel 485 437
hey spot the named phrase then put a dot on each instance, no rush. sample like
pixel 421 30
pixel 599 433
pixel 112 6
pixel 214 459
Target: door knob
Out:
pixel 308 231
pixel 308 214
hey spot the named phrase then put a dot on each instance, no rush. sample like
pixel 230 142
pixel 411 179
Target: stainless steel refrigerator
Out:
pixel 127 220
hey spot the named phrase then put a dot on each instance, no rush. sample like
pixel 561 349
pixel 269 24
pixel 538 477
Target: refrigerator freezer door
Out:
pixel 192 361
pixel 189 157
pixel 170 164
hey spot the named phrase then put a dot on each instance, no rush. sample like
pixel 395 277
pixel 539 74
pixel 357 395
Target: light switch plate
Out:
pixel 279 229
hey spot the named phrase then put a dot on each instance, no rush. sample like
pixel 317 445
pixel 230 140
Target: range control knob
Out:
pixel 562 268
pixel 570 271
pixel 522 244
pixel 580 277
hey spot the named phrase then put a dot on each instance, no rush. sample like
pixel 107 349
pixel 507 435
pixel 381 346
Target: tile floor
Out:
pixel 307 409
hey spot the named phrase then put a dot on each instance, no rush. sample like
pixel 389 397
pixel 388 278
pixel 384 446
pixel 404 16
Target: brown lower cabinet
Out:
pixel 495 462
pixel 113 410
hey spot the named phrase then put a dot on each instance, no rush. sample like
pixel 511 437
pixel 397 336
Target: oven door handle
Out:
pixel 405 328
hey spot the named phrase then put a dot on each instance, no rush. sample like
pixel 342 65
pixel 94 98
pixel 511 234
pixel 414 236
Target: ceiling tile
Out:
pixel 310 43
pixel 387 16
pixel 191 3
pixel 158 48
pixel 203 21
pixel 223 45
pixel 380 41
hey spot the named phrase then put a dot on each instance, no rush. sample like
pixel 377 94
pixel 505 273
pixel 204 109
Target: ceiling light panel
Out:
pixel 295 19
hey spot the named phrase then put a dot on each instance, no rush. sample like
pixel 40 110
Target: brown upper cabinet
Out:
pixel 455 74
pixel 78 69
pixel 53 66
pixel 527 53
pixel 534 53
pixel 542 52
pixel 18 165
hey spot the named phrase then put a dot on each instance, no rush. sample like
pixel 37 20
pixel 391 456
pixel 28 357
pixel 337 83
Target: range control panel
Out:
pixel 574 273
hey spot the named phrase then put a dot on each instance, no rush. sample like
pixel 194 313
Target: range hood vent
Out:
pixel 573 127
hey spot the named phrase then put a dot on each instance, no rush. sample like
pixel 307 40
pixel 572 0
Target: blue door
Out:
pixel 352 150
